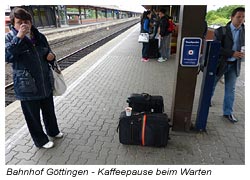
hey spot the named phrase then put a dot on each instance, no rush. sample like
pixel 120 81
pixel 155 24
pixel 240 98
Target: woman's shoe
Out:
pixel 59 135
pixel 48 145
pixel 161 59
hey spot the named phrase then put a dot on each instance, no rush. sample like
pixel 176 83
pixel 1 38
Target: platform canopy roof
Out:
pixel 134 8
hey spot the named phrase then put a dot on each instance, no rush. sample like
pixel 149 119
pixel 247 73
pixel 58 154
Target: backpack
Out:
pixel 171 26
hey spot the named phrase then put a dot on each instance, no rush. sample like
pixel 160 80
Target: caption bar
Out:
pixel 107 172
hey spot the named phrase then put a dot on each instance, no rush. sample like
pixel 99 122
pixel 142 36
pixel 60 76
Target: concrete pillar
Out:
pixel 191 24
pixel 96 14
pixel 106 14
pixel 80 14
pixel 85 15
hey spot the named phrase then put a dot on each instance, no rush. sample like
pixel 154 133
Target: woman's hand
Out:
pixel 50 57
pixel 24 29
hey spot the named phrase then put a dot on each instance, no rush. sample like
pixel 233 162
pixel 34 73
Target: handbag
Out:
pixel 146 103
pixel 59 85
pixel 143 38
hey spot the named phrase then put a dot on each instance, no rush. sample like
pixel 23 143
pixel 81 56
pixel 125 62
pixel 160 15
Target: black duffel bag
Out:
pixel 144 129
pixel 146 103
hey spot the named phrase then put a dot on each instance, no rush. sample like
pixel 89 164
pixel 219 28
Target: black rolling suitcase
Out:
pixel 153 51
pixel 146 103
pixel 144 129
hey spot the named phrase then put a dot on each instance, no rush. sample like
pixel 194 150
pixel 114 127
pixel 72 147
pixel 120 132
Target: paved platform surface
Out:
pixel 88 114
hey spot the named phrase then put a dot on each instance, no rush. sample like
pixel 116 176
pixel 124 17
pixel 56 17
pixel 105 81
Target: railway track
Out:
pixel 71 58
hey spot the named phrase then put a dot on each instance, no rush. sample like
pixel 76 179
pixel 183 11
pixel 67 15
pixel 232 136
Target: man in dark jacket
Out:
pixel 29 52
pixel 232 38
pixel 164 36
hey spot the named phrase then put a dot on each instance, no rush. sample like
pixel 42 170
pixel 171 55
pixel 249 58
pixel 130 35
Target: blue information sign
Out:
pixel 190 51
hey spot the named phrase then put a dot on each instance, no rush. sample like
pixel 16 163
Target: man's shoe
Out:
pixel 211 104
pixel 48 145
pixel 161 59
pixel 231 118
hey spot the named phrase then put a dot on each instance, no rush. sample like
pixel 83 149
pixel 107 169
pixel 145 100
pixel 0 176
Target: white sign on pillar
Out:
pixel 190 51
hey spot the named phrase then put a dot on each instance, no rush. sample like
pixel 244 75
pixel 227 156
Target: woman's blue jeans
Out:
pixel 145 49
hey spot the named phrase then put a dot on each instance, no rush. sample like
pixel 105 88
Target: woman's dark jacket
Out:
pixel 32 76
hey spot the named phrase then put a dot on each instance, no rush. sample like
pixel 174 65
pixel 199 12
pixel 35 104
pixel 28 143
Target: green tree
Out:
pixel 220 16
pixel 73 10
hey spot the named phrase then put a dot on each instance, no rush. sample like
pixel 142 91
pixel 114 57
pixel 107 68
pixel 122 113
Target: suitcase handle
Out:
pixel 146 95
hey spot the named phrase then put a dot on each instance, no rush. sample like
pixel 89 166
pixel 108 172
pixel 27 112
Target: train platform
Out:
pixel 88 114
